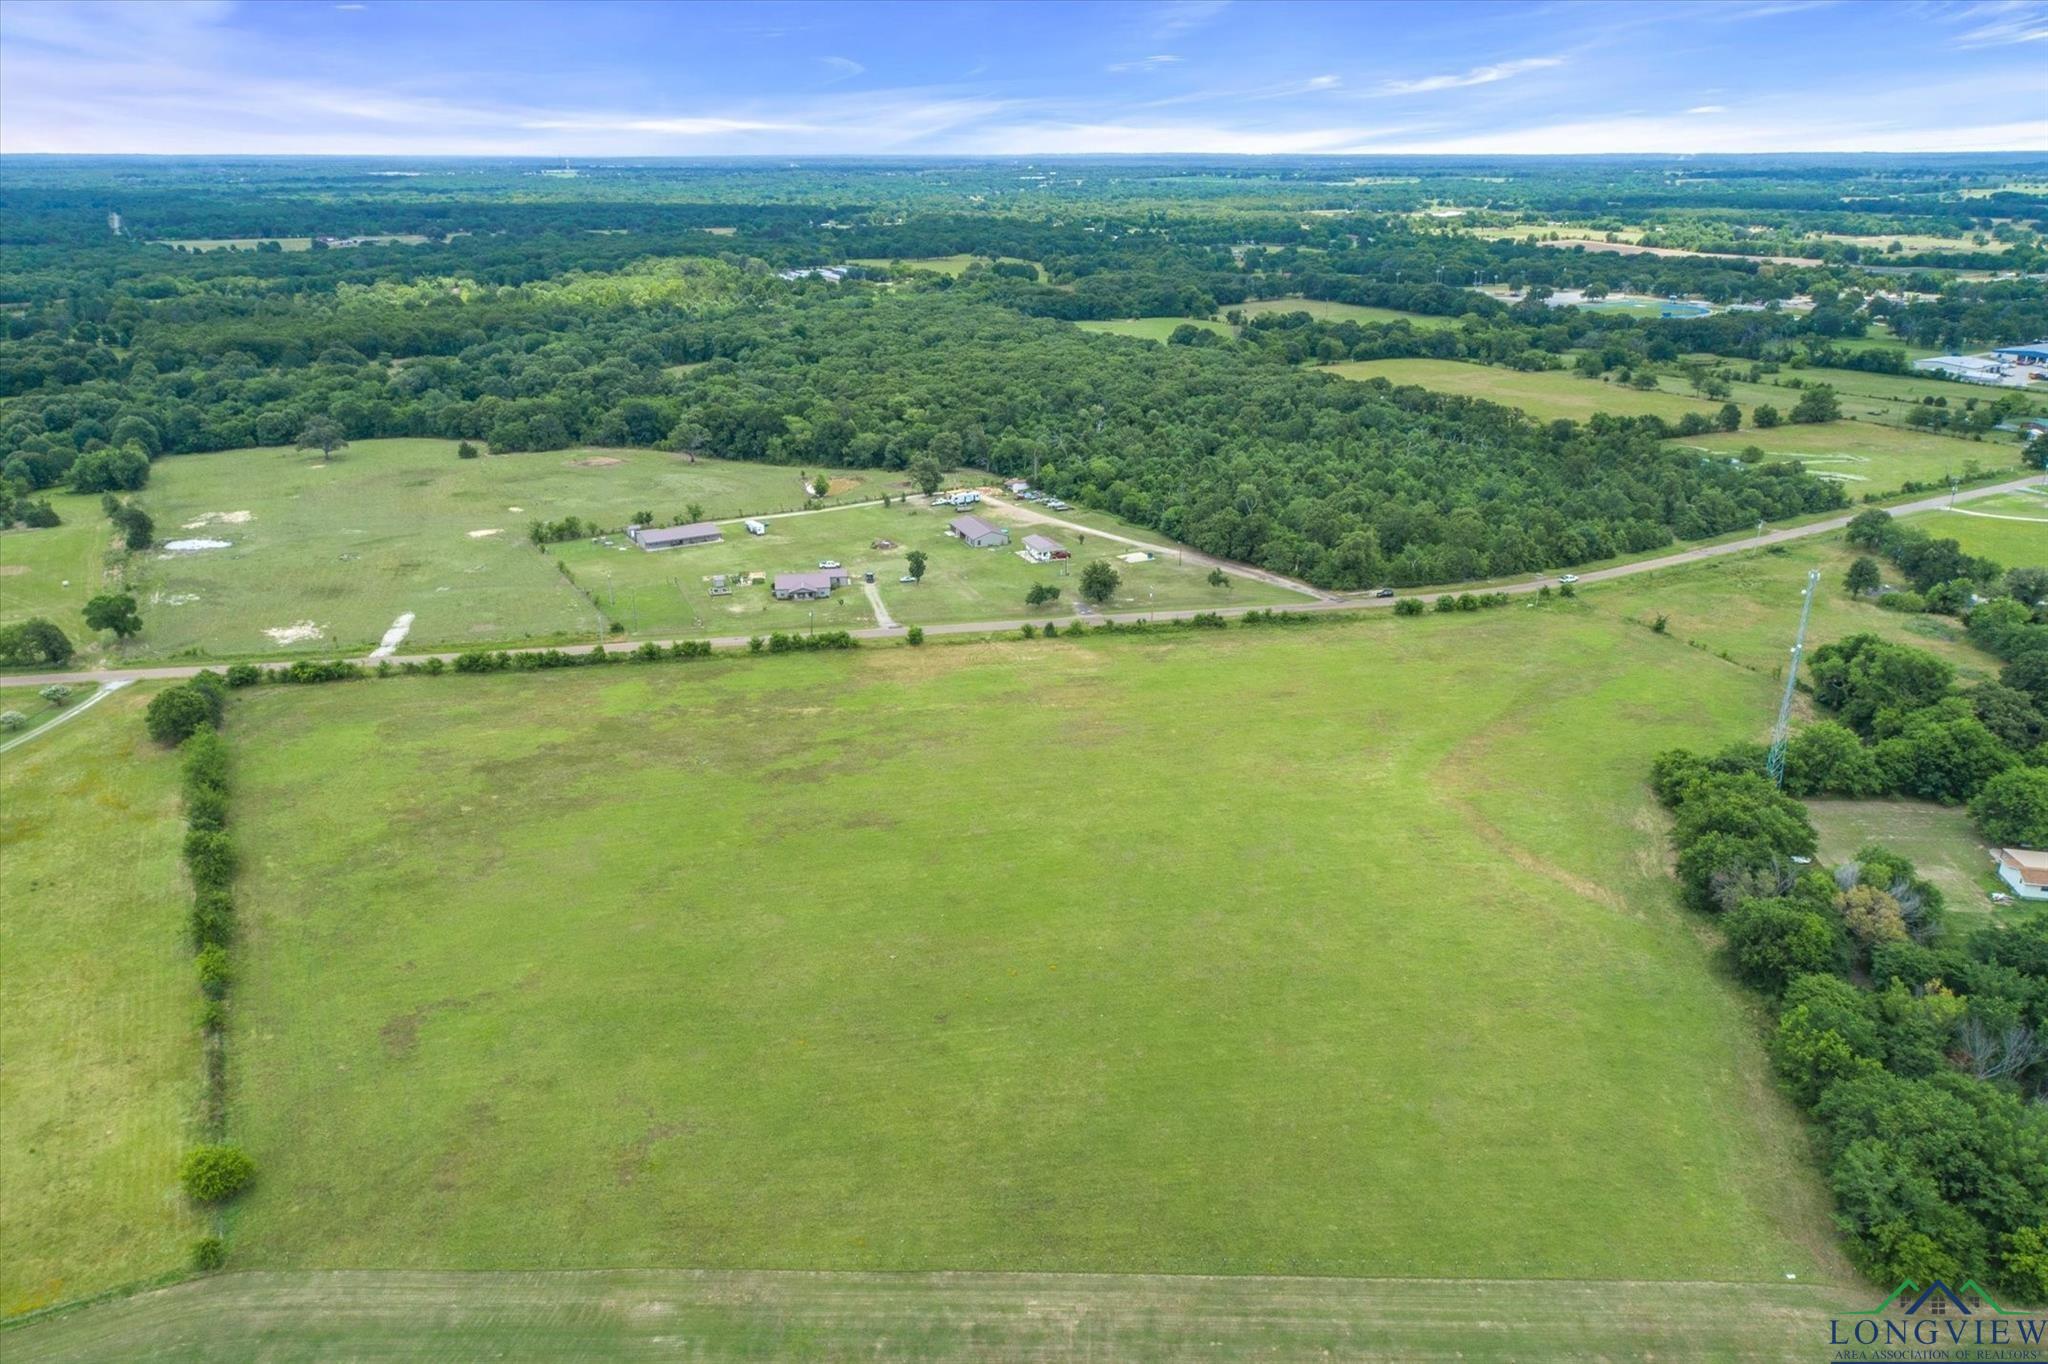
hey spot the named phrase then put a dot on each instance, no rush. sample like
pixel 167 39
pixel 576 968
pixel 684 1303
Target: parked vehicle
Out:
pixel 828 563
pixel 1567 578
pixel 1384 592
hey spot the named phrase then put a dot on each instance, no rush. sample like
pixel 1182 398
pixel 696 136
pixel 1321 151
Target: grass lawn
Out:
pixel 99 1014
pixel 668 592
pixel 1747 606
pixel 30 702
pixel 393 526
pixel 1545 396
pixel 53 572
pixel 952 958
pixel 1940 839
pixel 1326 311
pixel 1005 1319
pixel 1866 457
pixel 1871 397
pixel 1155 328
pixel 2011 529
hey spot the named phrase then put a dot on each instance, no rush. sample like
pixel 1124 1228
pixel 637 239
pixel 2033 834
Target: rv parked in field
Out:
pixel 755 527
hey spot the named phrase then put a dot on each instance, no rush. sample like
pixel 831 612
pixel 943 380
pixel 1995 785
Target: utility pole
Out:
pixel 1774 762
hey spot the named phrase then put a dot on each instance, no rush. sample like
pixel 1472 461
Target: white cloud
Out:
pixel 2003 24
pixel 1708 109
pixel 845 67
pixel 1143 63
pixel 1478 75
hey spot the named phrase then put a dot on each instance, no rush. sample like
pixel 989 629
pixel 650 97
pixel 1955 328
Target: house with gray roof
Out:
pixel 672 537
pixel 812 586
pixel 978 533
pixel 1043 551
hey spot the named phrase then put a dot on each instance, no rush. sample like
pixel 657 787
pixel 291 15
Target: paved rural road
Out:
pixel 1325 602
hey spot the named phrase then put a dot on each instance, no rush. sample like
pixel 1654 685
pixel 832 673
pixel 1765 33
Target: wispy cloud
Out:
pixel 1478 75
pixel 1708 109
pixel 843 68
pixel 1180 16
pixel 2001 23
pixel 1143 63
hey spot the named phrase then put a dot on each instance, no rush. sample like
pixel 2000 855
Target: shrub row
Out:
pixel 1921 1052
pixel 214 1172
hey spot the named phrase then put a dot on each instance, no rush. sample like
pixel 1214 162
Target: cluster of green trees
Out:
pixel 1920 1049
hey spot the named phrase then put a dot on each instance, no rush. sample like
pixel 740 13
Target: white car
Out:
pixel 1567 578
pixel 828 563
pixel 906 578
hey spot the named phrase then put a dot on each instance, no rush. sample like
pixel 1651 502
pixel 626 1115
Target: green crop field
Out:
pixel 668 592
pixel 99 1013
pixel 1545 396
pixel 2011 529
pixel 1326 311
pixel 1155 328
pixel 1941 841
pixel 1866 457
pixel 322 557
pixel 1017 991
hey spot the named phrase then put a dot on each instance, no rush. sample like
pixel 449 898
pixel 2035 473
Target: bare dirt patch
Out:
pixel 294 634
pixel 482 534
pixel 233 518
pixel 841 485
pixel 192 546
pixel 594 462
pixel 12 570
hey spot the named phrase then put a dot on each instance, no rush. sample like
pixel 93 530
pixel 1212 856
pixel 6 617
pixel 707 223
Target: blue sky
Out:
pixel 1218 76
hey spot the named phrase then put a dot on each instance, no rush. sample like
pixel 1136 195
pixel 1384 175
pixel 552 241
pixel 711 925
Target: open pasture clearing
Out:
pixel 1863 456
pixel 52 572
pixel 2012 529
pixel 391 526
pixel 285 243
pixel 1016 988
pixel 1884 398
pixel 100 1018
pixel 1546 395
pixel 955 265
pixel 1324 310
pixel 768 1316
pixel 1747 606
pixel 1155 328
pixel 668 592
pixel 1941 841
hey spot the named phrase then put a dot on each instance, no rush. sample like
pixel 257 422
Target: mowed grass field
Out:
pixel 2011 529
pixel 1034 1318
pixel 1155 328
pixel 955 265
pixel 1348 951
pixel 1887 398
pixel 54 571
pixel 328 554
pixel 99 1014
pixel 1941 840
pixel 668 592
pixel 1324 310
pixel 1548 395
pixel 1864 456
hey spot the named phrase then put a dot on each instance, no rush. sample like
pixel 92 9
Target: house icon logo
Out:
pixel 1939 1321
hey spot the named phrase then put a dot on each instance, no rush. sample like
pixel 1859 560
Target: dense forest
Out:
pixel 651 305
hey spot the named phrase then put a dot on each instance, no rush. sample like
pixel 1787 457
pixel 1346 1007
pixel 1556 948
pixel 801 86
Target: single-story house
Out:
pixel 978 533
pixel 1041 550
pixel 2025 870
pixel 1018 485
pixel 811 586
pixel 670 537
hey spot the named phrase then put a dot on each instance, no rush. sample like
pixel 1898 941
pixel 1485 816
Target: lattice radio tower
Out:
pixel 1775 763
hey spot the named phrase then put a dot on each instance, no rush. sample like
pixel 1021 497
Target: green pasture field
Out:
pixel 30 702
pixel 1155 328
pixel 1002 1318
pixel 390 527
pixel 1940 840
pixel 1546 395
pixel 2011 529
pixel 1875 397
pixel 1747 606
pixel 54 571
pixel 1017 990
pixel 1909 242
pixel 955 265
pixel 1323 310
pixel 1863 456
pixel 100 1013
pixel 668 592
